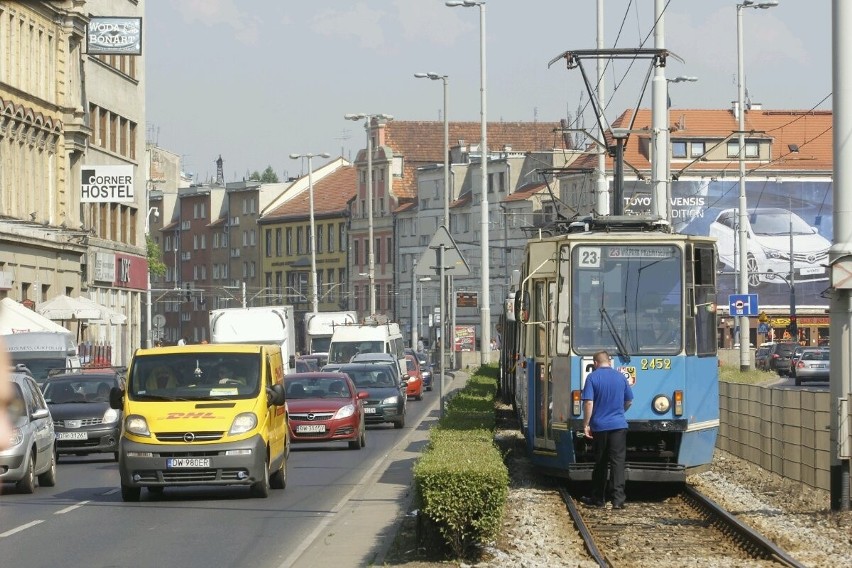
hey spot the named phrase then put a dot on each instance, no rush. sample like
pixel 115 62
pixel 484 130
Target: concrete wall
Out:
pixel 785 431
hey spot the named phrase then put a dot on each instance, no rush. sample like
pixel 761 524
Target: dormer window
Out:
pixel 678 149
pixel 696 149
pixel 752 149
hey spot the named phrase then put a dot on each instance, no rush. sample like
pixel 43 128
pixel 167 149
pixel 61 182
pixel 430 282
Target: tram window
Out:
pixel 563 305
pixel 540 318
pixel 705 266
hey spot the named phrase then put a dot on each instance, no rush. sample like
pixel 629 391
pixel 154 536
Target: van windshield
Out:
pixel 343 351
pixel 195 376
pixel 40 367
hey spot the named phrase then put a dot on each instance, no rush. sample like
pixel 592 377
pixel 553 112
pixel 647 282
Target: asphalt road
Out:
pixel 83 521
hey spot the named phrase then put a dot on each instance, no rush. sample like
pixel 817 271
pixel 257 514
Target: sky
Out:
pixel 257 80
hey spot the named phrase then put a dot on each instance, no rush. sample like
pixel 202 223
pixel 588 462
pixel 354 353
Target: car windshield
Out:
pixel 316 387
pixel 344 351
pixel 195 376
pixel 410 365
pixel 815 356
pixel 777 222
pixel 78 388
pixel 367 378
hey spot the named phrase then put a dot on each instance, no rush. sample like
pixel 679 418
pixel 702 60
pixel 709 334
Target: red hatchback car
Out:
pixel 415 378
pixel 325 407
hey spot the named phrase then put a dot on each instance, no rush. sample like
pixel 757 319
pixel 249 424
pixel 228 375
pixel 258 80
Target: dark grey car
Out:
pixel 32 450
pixel 386 400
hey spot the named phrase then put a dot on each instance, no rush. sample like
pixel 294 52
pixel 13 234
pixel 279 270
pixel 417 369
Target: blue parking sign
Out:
pixel 743 305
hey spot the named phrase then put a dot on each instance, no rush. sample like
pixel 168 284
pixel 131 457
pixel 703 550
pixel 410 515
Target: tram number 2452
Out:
pixel 656 364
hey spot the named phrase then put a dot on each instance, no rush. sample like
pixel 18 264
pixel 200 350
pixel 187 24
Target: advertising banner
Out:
pixel 784 217
pixel 107 184
pixel 465 338
pixel 114 36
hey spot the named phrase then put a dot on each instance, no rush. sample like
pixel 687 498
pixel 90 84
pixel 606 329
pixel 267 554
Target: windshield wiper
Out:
pixel 622 350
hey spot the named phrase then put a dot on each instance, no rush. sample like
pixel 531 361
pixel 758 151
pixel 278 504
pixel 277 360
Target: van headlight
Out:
pixel 391 400
pixel 243 422
pixel 137 425
pixel 110 416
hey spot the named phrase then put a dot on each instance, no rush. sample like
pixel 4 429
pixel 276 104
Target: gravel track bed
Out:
pixel 537 530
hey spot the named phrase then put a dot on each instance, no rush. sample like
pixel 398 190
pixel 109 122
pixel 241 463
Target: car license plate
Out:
pixel 812 270
pixel 310 428
pixel 369 410
pixel 820 366
pixel 173 463
pixel 72 435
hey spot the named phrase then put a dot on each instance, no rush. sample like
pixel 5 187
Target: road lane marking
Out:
pixel 112 491
pixel 19 529
pixel 71 508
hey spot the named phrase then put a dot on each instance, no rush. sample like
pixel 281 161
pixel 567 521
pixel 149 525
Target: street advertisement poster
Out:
pixel 465 338
pixel 114 36
pixel 783 217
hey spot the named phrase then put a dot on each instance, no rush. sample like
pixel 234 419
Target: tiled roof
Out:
pixel 422 142
pixel 220 222
pixel 525 192
pixel 464 199
pixel 331 194
pixel 810 130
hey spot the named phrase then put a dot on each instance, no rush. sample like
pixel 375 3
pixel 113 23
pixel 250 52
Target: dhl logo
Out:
pixel 179 415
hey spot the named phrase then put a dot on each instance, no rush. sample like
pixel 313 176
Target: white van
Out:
pixel 371 336
pixel 43 352
pixel 261 324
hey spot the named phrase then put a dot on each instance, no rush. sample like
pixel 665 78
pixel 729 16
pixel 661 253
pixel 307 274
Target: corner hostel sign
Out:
pixel 107 184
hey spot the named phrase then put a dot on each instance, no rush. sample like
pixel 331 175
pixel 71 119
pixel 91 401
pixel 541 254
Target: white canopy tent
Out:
pixel 66 308
pixel 16 318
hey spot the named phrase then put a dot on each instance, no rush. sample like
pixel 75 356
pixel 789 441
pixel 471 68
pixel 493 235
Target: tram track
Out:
pixel 672 528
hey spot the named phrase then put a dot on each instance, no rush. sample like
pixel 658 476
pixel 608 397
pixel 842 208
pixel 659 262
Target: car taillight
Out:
pixel 775 356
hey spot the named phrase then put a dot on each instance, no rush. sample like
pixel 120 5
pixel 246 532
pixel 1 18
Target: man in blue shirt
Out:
pixel 606 397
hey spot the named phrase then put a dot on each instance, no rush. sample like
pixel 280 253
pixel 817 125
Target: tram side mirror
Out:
pixel 522 306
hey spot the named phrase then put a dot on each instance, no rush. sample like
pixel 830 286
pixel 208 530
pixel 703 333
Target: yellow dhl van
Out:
pixel 203 415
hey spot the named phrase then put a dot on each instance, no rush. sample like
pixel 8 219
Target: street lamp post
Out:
pixel 485 309
pixel 148 338
pixel 313 238
pixel 420 315
pixel 370 255
pixel 742 233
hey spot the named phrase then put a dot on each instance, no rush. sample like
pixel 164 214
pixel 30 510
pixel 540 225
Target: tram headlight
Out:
pixel 661 404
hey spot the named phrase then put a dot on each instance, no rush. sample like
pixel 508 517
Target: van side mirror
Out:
pixel 292 361
pixel 116 398
pixel 275 394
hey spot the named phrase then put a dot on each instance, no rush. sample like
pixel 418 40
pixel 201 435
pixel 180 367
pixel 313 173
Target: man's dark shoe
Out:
pixel 618 505
pixel 590 501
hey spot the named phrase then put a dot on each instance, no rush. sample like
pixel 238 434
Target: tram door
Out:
pixel 543 319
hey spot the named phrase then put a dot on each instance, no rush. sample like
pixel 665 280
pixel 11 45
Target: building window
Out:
pixel 319 238
pixel 697 149
pixel 355 255
pixel 377 252
pixel 269 242
pixel 331 237
pixel 390 250
pixel 678 149
pixel 341 233
pixel 752 149
pixel 299 248
pixel 289 241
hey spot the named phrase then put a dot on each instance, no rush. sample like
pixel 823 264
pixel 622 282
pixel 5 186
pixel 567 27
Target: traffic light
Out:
pixel 794 327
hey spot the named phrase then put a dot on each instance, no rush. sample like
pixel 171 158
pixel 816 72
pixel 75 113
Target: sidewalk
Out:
pixel 361 531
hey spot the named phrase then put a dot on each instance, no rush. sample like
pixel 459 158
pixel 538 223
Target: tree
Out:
pixel 155 257
pixel 268 176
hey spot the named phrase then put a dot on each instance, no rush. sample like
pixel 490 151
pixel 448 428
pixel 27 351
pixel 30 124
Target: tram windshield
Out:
pixel 627 299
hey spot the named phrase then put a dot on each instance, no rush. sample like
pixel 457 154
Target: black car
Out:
pixel 82 417
pixel 386 400
pixel 780 356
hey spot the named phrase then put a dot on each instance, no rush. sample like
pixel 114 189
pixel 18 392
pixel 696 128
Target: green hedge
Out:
pixel 461 481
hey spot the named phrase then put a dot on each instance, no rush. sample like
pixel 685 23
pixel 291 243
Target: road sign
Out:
pixel 743 304
pixel 763 328
pixel 454 263
pixel 763 318
pixel 159 320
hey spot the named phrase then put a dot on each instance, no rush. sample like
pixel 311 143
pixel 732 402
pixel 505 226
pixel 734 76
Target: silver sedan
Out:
pixel 813 365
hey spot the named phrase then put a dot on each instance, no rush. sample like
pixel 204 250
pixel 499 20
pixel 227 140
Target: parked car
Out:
pixel 414 386
pixel 325 407
pixel 813 365
pixel 769 241
pixel 82 417
pixel 386 398
pixel 779 357
pixel 425 366
pixel 32 451
pixel 761 356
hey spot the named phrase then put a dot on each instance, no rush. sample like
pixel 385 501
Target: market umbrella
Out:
pixel 66 308
pixel 105 314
